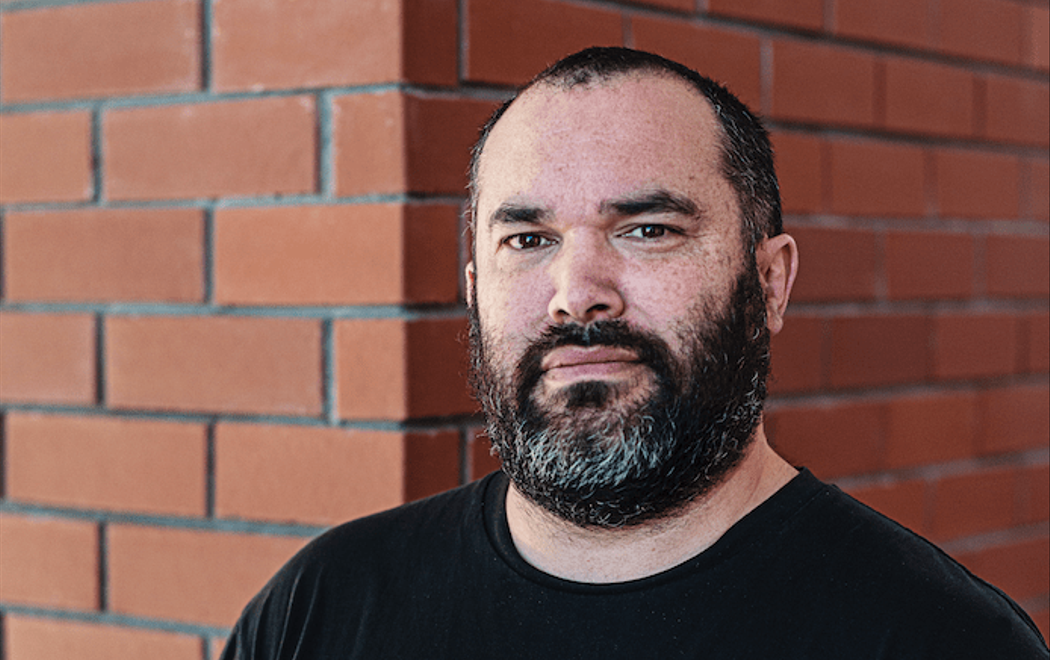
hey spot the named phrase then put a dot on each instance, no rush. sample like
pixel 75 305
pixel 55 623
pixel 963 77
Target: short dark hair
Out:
pixel 747 156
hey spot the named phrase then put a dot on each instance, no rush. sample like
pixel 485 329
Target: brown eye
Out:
pixel 647 231
pixel 527 241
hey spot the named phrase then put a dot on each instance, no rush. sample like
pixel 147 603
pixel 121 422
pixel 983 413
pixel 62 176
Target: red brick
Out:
pixel 1041 618
pixel 807 14
pixel 396 369
pixel 976 184
pixel 975 345
pixel 897 22
pixel 369 143
pixel 1035 494
pixel 317 44
pixel 229 364
pixel 1018 266
pixel 430 258
pixel 1036 357
pixel 391 142
pixel 47 358
pixel 326 475
pixel 904 502
pixel 105 254
pixel 49 562
pixel 1037 33
pixel 1014 418
pixel 1017 110
pixel 876 178
pixel 429 41
pixel 510 42
pixel 681 5
pixel 870 351
pixel 46 157
pixel 98 463
pixel 929 265
pixel 923 97
pixel 981 29
pixel 371 365
pixel 106 49
pixel 432 463
pixel 188 575
pixel 254 147
pixel 973 503
pixel 1021 569
pixel 439 134
pixel 832 441
pixel 930 429
pixel 46 639
pixel 825 84
pixel 482 460
pixel 834 264
pixel 315 255
pixel 1037 204
pixel 800 171
pixel 798 356
pixel 731 58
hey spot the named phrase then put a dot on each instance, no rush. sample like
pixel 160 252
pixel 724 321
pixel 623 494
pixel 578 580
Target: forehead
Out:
pixel 601 140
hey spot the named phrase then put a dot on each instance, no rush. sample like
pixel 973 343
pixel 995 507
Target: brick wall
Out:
pixel 232 315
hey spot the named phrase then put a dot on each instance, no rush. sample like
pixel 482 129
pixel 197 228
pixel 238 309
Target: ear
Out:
pixel 777 259
pixel 468 274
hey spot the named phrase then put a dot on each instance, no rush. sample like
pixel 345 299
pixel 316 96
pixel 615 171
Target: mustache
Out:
pixel 652 351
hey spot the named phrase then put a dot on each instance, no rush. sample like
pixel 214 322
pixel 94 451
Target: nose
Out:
pixel 585 274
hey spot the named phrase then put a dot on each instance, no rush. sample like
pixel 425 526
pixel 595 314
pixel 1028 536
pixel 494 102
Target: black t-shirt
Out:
pixel 810 573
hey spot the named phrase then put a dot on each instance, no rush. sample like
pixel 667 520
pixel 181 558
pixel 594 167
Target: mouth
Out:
pixel 567 364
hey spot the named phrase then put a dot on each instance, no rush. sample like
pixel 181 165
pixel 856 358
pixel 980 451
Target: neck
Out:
pixel 618 555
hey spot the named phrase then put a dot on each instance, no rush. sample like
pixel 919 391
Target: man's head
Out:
pixel 747 157
pixel 620 291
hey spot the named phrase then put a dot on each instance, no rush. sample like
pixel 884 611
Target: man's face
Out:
pixel 612 307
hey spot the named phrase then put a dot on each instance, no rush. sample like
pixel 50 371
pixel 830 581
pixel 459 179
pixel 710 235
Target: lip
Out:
pixel 576 362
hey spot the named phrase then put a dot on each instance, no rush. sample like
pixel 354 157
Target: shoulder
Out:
pixel 883 571
pixel 386 538
pixel 339 575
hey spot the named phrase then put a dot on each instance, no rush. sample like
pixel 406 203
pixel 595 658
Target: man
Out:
pixel 628 268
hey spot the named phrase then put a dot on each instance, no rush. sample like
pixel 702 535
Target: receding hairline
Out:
pixel 746 153
pixel 567 84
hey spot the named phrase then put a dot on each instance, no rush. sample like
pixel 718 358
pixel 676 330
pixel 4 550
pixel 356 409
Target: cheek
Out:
pixel 512 310
pixel 668 300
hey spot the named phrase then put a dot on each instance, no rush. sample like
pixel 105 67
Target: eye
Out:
pixel 648 232
pixel 526 241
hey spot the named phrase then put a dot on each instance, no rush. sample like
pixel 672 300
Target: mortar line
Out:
pixel 466 455
pixel 208 257
pixel 103 567
pixel 462 36
pixel 329 409
pixel 97 156
pixel 325 148
pixel 113 619
pixel 100 360
pixel 206 17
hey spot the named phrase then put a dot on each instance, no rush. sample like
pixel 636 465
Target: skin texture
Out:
pixel 607 202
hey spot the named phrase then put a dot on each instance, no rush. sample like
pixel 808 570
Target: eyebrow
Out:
pixel 656 201
pixel 511 214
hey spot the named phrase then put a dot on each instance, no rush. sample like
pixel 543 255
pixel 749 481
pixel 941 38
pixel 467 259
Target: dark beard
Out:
pixel 596 461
